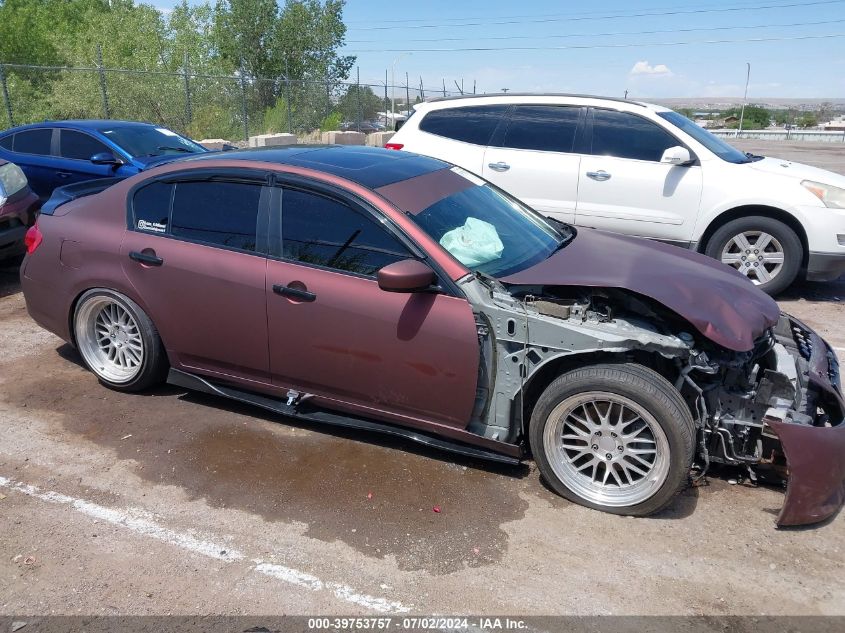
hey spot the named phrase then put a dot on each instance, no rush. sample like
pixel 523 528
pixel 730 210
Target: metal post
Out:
pixel 358 97
pixel 328 98
pixel 407 96
pixel 103 92
pixel 422 90
pixel 287 97
pixel 386 124
pixel 744 99
pixel 6 99
pixel 243 102
pixel 188 113
pixel 444 87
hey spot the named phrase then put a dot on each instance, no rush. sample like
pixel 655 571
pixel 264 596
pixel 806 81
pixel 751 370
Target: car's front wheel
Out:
pixel 117 341
pixel 763 249
pixel 617 438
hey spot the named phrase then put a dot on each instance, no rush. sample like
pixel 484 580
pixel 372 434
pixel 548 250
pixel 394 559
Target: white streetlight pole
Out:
pixel 744 99
pixel 393 86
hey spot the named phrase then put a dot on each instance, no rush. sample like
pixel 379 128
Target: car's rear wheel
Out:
pixel 617 438
pixel 763 249
pixel 117 341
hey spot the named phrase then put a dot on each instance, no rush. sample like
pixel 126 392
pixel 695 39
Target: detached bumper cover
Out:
pixel 815 455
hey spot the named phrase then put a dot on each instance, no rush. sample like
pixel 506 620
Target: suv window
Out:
pixel 472 124
pixel 33 141
pixel 79 145
pixel 628 136
pixel 327 232
pixel 543 128
pixel 151 207
pixel 224 213
pixel 7 141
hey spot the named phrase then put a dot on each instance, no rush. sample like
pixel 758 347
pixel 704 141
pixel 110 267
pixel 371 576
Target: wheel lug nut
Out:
pixel 609 456
pixel 613 435
pixel 748 252
pixel 598 433
pixel 620 448
pixel 595 447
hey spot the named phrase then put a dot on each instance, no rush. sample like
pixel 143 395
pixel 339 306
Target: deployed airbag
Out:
pixel 474 243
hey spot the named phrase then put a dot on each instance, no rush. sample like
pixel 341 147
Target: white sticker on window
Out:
pixel 471 177
pixel 155 227
pixel 166 132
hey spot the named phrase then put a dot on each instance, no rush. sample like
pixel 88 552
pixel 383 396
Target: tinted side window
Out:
pixel 224 213
pixel 474 124
pixel 327 232
pixel 79 146
pixel 151 207
pixel 543 128
pixel 628 136
pixel 33 141
pixel 6 141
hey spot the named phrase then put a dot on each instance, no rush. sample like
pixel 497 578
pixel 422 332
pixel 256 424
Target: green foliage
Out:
pixel 687 112
pixel 755 118
pixel 331 122
pixel 359 101
pixel 241 48
pixel 276 117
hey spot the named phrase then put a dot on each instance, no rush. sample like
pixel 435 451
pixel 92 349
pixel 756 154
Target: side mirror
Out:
pixel 227 147
pixel 397 125
pixel 676 156
pixel 408 275
pixel 106 158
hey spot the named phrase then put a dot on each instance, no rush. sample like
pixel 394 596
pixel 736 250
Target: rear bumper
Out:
pixel 825 266
pixel 815 453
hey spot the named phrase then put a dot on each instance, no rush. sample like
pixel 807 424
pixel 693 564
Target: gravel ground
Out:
pixel 177 503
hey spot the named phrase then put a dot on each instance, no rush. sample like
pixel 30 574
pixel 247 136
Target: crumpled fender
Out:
pixel 815 457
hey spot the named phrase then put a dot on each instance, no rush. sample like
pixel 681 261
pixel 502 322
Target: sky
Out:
pixel 639 46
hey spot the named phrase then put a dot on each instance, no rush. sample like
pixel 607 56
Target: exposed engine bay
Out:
pixel 739 400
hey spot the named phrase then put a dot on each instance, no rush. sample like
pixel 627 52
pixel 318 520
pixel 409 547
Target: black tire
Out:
pixel 793 250
pixel 154 364
pixel 639 385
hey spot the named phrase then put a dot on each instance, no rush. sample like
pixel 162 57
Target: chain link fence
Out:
pixel 205 106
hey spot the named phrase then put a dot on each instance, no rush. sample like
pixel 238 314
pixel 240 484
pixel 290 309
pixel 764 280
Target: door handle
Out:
pixel 601 175
pixel 500 166
pixel 63 174
pixel 150 259
pixel 294 293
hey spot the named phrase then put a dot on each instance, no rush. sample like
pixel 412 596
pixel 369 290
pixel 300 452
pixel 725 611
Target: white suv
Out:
pixel 643 170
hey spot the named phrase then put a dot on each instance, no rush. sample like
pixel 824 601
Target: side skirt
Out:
pixel 197 383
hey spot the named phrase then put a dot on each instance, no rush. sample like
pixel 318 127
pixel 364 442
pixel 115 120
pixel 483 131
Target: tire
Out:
pixel 738 239
pixel 584 463
pixel 118 342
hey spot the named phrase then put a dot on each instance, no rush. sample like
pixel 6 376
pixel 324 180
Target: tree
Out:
pixel 359 102
pixel 755 117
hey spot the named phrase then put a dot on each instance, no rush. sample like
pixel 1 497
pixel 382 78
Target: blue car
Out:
pixel 57 153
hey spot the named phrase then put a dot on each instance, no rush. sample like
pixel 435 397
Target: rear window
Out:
pixel 473 124
pixel 543 128
pixel 7 141
pixel 33 141
pixel 151 207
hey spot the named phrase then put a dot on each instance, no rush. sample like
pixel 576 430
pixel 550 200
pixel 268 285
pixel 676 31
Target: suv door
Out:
pixel 536 161
pixel 31 151
pixel 192 253
pixel 334 333
pixel 458 135
pixel 624 187
pixel 76 149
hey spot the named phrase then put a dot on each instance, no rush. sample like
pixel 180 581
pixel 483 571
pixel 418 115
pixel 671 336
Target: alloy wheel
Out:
pixel 756 254
pixel 109 339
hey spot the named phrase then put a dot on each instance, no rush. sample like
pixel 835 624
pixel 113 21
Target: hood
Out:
pixel 719 302
pixel 799 171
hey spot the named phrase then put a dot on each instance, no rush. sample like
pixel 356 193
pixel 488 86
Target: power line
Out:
pixel 597 14
pixel 607 17
pixel 609 34
pixel 592 46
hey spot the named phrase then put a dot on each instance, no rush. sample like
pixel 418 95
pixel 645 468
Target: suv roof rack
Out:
pixel 533 94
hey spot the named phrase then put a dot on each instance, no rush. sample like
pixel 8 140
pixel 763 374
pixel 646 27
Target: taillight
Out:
pixel 394 145
pixel 33 239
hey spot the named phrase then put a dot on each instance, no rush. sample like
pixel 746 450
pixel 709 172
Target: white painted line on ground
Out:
pixel 133 519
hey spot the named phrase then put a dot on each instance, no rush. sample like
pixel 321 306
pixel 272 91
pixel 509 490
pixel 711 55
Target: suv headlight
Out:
pixel 832 197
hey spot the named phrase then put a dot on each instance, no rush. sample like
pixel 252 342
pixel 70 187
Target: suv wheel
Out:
pixel 765 250
pixel 617 438
pixel 118 342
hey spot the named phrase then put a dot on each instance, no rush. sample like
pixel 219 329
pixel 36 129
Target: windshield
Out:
pixel 723 150
pixel 490 232
pixel 146 140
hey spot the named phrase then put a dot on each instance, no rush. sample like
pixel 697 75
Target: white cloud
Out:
pixel 644 68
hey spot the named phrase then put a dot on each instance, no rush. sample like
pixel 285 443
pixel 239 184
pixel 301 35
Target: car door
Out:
pixel 192 255
pixel 537 162
pixel 458 135
pixel 31 151
pixel 76 149
pixel 624 187
pixel 334 333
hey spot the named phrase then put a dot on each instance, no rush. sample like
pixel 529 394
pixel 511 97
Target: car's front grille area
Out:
pixel 833 368
pixel 803 339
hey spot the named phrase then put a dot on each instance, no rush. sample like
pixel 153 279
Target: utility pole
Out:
pixel 103 92
pixel 744 99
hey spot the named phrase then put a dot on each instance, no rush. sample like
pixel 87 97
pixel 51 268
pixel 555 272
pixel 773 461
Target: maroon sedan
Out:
pixel 18 204
pixel 387 291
